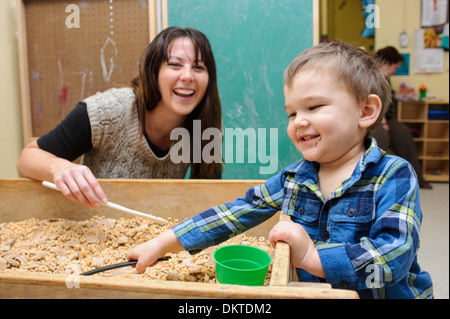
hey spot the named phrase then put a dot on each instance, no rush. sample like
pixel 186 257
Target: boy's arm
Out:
pixel 222 222
pixel 212 226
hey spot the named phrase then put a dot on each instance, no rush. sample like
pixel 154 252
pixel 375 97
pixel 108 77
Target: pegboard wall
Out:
pixel 75 49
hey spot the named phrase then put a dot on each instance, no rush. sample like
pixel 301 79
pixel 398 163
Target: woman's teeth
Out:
pixel 184 92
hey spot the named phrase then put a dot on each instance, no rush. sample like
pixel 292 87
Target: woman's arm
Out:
pixel 50 158
pixel 75 181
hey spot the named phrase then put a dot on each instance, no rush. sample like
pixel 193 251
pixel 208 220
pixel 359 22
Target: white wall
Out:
pixel 10 113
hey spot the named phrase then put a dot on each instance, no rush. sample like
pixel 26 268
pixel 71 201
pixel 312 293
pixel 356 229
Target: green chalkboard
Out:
pixel 253 42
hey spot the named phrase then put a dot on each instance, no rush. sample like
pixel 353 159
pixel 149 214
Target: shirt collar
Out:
pixel 372 155
pixel 309 169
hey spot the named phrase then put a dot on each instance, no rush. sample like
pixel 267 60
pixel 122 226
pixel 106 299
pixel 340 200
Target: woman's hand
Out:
pixel 78 183
pixel 75 181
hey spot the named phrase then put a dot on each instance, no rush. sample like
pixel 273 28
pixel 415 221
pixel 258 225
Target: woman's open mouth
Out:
pixel 184 93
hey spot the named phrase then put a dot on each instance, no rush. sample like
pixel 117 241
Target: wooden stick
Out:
pixel 158 220
pixel 282 262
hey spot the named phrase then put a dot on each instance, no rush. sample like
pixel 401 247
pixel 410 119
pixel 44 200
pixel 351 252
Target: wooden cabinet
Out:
pixel 428 122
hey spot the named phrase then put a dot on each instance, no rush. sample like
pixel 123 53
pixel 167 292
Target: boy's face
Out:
pixel 323 117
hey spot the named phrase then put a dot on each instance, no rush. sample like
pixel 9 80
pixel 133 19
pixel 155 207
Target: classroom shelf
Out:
pixel 431 136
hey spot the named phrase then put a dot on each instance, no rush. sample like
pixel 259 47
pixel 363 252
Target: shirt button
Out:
pixel 326 235
pixel 301 210
pixel 351 212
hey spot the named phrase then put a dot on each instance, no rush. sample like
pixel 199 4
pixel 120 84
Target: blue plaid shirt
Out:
pixel 366 232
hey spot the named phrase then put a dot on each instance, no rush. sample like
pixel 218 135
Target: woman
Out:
pixel 393 134
pixel 125 132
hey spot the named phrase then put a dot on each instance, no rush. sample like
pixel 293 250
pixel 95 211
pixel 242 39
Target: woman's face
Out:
pixel 182 80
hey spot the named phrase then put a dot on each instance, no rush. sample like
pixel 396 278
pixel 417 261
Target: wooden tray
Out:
pixel 22 198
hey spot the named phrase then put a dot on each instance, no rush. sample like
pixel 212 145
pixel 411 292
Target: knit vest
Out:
pixel 117 150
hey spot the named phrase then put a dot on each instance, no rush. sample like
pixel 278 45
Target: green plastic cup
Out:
pixel 241 265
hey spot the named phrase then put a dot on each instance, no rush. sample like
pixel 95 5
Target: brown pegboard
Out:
pixel 66 65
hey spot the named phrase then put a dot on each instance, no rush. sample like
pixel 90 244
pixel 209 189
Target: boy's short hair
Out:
pixel 360 71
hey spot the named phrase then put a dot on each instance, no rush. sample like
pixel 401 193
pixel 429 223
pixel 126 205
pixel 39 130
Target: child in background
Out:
pixel 355 210
pixel 394 134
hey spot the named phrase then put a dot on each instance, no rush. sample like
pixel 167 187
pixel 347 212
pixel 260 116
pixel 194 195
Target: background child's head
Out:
pixel 390 60
pixel 360 72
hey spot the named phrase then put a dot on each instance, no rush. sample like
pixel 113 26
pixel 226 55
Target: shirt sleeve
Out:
pixel 386 255
pixel 72 137
pixel 222 222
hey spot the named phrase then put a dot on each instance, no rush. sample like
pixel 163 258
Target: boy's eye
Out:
pixel 312 108
pixel 291 115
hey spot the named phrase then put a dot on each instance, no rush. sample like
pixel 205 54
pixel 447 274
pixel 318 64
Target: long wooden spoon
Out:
pixel 158 220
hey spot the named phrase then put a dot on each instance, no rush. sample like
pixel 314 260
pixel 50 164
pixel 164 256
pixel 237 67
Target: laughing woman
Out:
pixel 125 132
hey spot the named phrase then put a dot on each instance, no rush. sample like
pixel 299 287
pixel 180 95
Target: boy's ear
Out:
pixel 371 111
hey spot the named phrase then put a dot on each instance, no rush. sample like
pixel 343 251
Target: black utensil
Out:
pixel 114 266
pixel 129 263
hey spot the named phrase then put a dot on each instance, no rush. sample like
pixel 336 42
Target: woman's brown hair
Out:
pixel 208 111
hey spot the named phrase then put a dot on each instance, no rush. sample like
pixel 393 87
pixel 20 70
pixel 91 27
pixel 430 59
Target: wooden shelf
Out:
pixel 433 137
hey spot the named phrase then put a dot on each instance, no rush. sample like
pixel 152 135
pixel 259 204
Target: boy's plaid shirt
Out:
pixel 366 232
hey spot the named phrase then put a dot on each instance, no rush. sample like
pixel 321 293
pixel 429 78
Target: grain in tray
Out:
pixel 61 246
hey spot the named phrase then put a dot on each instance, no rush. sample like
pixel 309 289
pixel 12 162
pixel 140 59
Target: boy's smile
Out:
pixel 308 140
pixel 323 117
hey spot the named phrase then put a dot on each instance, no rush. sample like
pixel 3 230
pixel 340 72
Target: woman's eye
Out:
pixel 292 115
pixel 174 64
pixel 200 68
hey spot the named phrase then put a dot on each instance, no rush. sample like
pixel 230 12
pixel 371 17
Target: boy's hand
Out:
pixel 147 253
pixel 303 251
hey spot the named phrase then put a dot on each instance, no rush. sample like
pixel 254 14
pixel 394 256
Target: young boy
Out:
pixel 355 210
